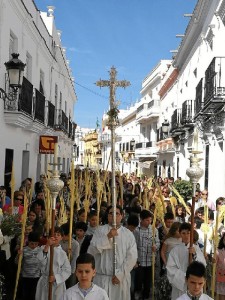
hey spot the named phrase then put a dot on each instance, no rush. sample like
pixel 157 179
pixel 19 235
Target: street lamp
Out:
pixel 15 68
pixel 194 172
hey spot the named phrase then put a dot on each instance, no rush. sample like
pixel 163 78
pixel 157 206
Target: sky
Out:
pixel 131 35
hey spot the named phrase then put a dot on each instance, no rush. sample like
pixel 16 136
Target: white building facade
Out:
pixel 46 100
pixel 188 93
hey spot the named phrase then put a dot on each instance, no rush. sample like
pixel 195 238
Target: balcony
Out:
pixel 214 88
pixel 199 98
pixel 176 126
pixel 51 114
pixel 187 114
pixel 141 114
pixel 61 121
pixel 91 137
pixel 35 114
pixel 146 111
pixel 166 146
pixel 74 126
pixel 210 96
pixel 39 109
pixel 127 146
pixel 19 113
pixel 70 128
pixel 153 109
pixel 146 150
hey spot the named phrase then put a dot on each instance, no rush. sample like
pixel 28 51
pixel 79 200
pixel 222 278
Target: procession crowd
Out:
pixel 147 254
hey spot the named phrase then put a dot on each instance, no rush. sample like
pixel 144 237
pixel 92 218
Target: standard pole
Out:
pixel 192 219
pixel 54 185
pixel 52 249
pixel 112 123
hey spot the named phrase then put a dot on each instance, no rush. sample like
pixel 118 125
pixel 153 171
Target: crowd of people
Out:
pixel 147 252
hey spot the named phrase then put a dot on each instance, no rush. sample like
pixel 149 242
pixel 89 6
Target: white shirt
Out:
pixel 96 292
pixel 176 266
pixel 101 247
pixel 203 297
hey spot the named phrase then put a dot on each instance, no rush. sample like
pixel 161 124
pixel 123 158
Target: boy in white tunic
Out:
pixel 195 278
pixel 178 261
pixel 61 269
pixel 85 289
pixel 101 247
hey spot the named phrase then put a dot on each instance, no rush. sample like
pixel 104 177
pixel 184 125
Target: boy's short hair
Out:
pixel 65 228
pixel 195 236
pixel 168 216
pixel 58 230
pixel 117 207
pixel 198 222
pixel 196 268
pixel 86 258
pixel 185 226
pixel 92 213
pixel 104 204
pixel 145 214
pixel 81 225
pixel 33 237
pixel 133 220
pixel 81 211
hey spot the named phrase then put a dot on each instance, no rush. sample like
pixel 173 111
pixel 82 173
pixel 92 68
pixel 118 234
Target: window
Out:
pixel 56 95
pixel 65 107
pixel 195 72
pixel 60 100
pixel 13 44
pixel 28 71
pixel 42 80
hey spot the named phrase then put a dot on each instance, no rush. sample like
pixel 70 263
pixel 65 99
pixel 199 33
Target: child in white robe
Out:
pixel 61 269
pixel 178 261
pixel 85 289
pixel 101 247
pixel 195 279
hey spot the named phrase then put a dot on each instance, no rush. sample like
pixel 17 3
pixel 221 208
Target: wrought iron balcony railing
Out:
pixel 199 97
pixel 61 121
pixel 187 114
pixel 51 114
pixel 39 109
pixel 214 87
pixel 26 97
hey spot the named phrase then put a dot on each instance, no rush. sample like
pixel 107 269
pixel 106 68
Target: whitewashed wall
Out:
pixel 23 20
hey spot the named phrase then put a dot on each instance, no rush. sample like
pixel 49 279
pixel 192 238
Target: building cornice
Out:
pixel 192 33
pixel 168 83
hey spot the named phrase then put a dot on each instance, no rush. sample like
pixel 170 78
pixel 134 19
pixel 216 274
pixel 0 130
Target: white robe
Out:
pixel 96 292
pixel 203 297
pixel 102 249
pixel 176 266
pixel 61 270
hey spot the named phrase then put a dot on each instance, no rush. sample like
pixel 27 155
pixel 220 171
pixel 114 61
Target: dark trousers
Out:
pixel 29 286
pixel 144 280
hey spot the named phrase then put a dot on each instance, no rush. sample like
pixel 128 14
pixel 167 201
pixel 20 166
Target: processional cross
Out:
pixel 113 84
